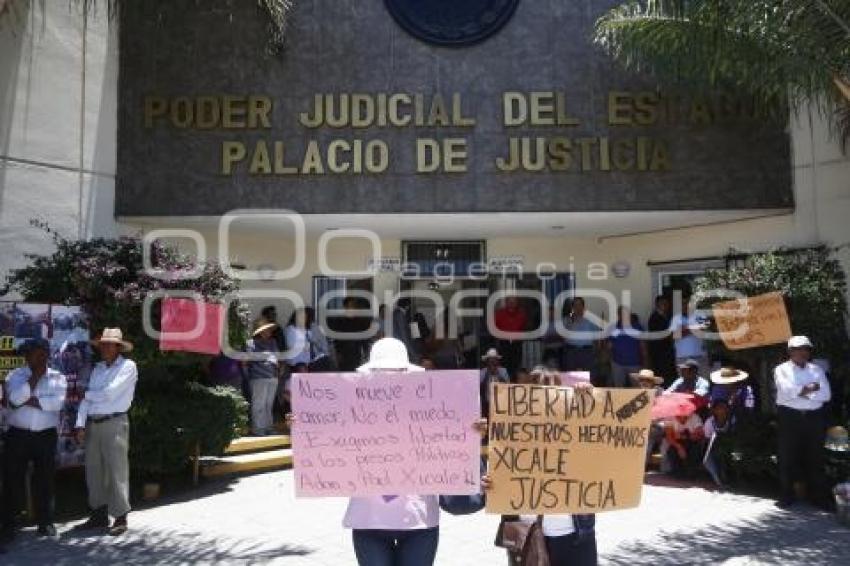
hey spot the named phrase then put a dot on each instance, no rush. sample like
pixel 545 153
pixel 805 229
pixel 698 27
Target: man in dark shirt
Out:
pixel 350 351
pixel 662 351
pixel 511 318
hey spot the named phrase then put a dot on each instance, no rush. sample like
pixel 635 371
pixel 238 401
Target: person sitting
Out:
pixel 717 426
pixel 690 382
pixel 682 447
pixel 646 379
pixel 730 384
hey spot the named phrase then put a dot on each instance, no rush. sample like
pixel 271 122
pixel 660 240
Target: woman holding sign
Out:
pixel 570 540
pixel 393 530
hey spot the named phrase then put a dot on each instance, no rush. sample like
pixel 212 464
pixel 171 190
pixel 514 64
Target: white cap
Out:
pixel 388 353
pixel 799 342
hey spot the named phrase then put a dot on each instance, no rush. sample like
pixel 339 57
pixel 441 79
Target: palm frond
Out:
pixel 780 52
pixel 279 12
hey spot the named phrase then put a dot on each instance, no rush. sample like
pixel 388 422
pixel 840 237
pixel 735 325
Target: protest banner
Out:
pixel 190 326
pixel 563 450
pixel 67 329
pixel 386 433
pixel 755 321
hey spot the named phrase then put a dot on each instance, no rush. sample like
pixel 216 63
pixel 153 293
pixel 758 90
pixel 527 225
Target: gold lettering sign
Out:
pixel 537 126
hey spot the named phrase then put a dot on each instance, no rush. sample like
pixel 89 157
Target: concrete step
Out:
pixel 246 463
pixel 258 443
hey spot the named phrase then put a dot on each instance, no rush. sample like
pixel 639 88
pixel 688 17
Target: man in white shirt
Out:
pixel 688 344
pixel 102 423
pixel 36 394
pixel 802 390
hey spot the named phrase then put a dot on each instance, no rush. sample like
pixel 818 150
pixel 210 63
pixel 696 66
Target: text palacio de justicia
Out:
pixel 542 134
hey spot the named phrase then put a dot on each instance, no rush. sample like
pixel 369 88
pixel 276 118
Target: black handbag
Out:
pixel 464 504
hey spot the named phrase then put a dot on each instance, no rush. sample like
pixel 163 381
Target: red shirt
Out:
pixel 510 320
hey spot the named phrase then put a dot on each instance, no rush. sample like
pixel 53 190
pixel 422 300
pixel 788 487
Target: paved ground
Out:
pixel 256 520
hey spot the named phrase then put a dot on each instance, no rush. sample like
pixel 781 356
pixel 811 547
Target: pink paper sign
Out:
pixel 190 326
pixel 386 433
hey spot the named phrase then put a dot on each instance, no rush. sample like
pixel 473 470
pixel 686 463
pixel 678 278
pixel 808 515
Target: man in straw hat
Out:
pixel 802 391
pixel 263 374
pixel 730 384
pixel 490 373
pixel 103 424
pixel 646 379
pixel 36 394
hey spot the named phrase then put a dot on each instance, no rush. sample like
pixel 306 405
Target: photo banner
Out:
pixel 67 330
pixel 386 433
pixel 765 317
pixel 562 450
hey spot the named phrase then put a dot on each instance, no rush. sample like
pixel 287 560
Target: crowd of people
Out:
pixel 402 529
pixel 668 355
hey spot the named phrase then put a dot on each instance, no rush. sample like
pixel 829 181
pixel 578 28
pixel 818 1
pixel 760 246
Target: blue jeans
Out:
pixel 416 547
pixel 572 550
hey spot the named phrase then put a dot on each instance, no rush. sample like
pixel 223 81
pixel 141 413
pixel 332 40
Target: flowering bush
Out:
pixel 107 278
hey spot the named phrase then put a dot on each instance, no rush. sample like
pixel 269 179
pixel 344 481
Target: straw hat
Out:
pixel 262 325
pixel 727 375
pixel 647 375
pixel 491 353
pixel 389 354
pixel 113 336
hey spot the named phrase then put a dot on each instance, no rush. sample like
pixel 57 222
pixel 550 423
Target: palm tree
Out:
pixel 783 53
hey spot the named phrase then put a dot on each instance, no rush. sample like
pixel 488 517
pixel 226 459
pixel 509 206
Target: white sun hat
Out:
pixel 389 354
pixel 799 342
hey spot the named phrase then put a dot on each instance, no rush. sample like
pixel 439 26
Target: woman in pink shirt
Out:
pixel 393 530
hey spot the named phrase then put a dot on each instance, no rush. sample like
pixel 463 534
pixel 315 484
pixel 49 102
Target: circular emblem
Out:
pixel 452 23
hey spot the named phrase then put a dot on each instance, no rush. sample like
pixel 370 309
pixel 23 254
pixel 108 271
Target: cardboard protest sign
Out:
pixel 757 321
pixel 563 450
pixel 386 433
pixel 190 326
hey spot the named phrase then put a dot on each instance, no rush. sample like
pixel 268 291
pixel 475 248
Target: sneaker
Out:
pixel 48 530
pixel 119 527
pixel 786 503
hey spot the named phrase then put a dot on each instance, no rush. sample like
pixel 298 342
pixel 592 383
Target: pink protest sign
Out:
pixel 191 326
pixel 386 433
pixel 570 378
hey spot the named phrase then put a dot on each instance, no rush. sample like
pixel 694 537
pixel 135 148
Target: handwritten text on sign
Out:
pixel 563 450
pixel 386 433
pixel 758 321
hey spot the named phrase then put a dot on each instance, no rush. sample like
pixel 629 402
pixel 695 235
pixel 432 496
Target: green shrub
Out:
pixel 169 418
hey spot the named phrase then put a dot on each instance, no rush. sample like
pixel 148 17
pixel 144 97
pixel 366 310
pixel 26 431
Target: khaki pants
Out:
pixel 107 467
